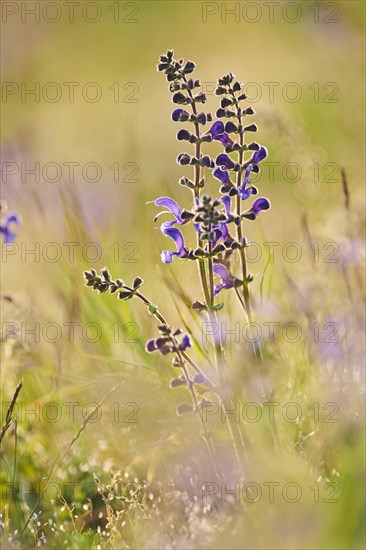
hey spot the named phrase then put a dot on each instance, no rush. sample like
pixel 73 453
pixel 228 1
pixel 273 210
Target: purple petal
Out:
pixel 206 161
pixel 171 205
pixel 183 158
pixel 150 345
pixel 202 118
pixel 226 201
pixel 259 155
pixel 183 135
pixel 11 217
pixel 224 138
pixel 218 234
pixel 246 176
pixel 9 236
pixel 224 231
pixel 185 343
pixel 176 235
pixel 222 272
pixel 224 160
pixel 221 175
pixel 260 204
pixel 243 192
pixel 216 129
pixel 166 256
pixel 176 114
pixel 218 289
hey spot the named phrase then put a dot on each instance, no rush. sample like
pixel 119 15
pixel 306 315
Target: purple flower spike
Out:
pixel 227 280
pixel 259 155
pixel 172 207
pixel 176 235
pixel 8 235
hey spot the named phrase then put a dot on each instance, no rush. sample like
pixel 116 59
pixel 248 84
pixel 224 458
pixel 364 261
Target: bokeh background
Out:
pixel 125 141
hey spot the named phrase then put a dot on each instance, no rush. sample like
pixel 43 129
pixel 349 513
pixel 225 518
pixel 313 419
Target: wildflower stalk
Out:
pixel 243 259
pixel 156 313
pixel 207 289
pixel 153 309
pixel 125 292
pixel 207 435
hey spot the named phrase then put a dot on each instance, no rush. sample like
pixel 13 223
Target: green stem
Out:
pixel 162 319
pixel 243 258
pixel 207 436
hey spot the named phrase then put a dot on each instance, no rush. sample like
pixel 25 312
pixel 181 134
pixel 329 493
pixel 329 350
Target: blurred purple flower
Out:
pixel 150 345
pixel 227 279
pixel 185 343
pixel 8 219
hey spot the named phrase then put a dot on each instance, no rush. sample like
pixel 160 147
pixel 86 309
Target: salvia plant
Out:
pixel 217 222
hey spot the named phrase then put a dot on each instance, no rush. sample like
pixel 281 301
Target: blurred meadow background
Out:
pixel 84 344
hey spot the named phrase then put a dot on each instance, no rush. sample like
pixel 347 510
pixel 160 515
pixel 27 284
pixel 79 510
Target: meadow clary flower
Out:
pixel 8 220
pixel 185 343
pixel 227 280
pixel 243 190
pixel 172 207
pixel 258 205
pixel 176 235
pixel 224 160
pixel 180 115
pixel 181 216
pixel 222 175
pixel 217 132
pixel 165 344
pixel 259 155
pixel 226 201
